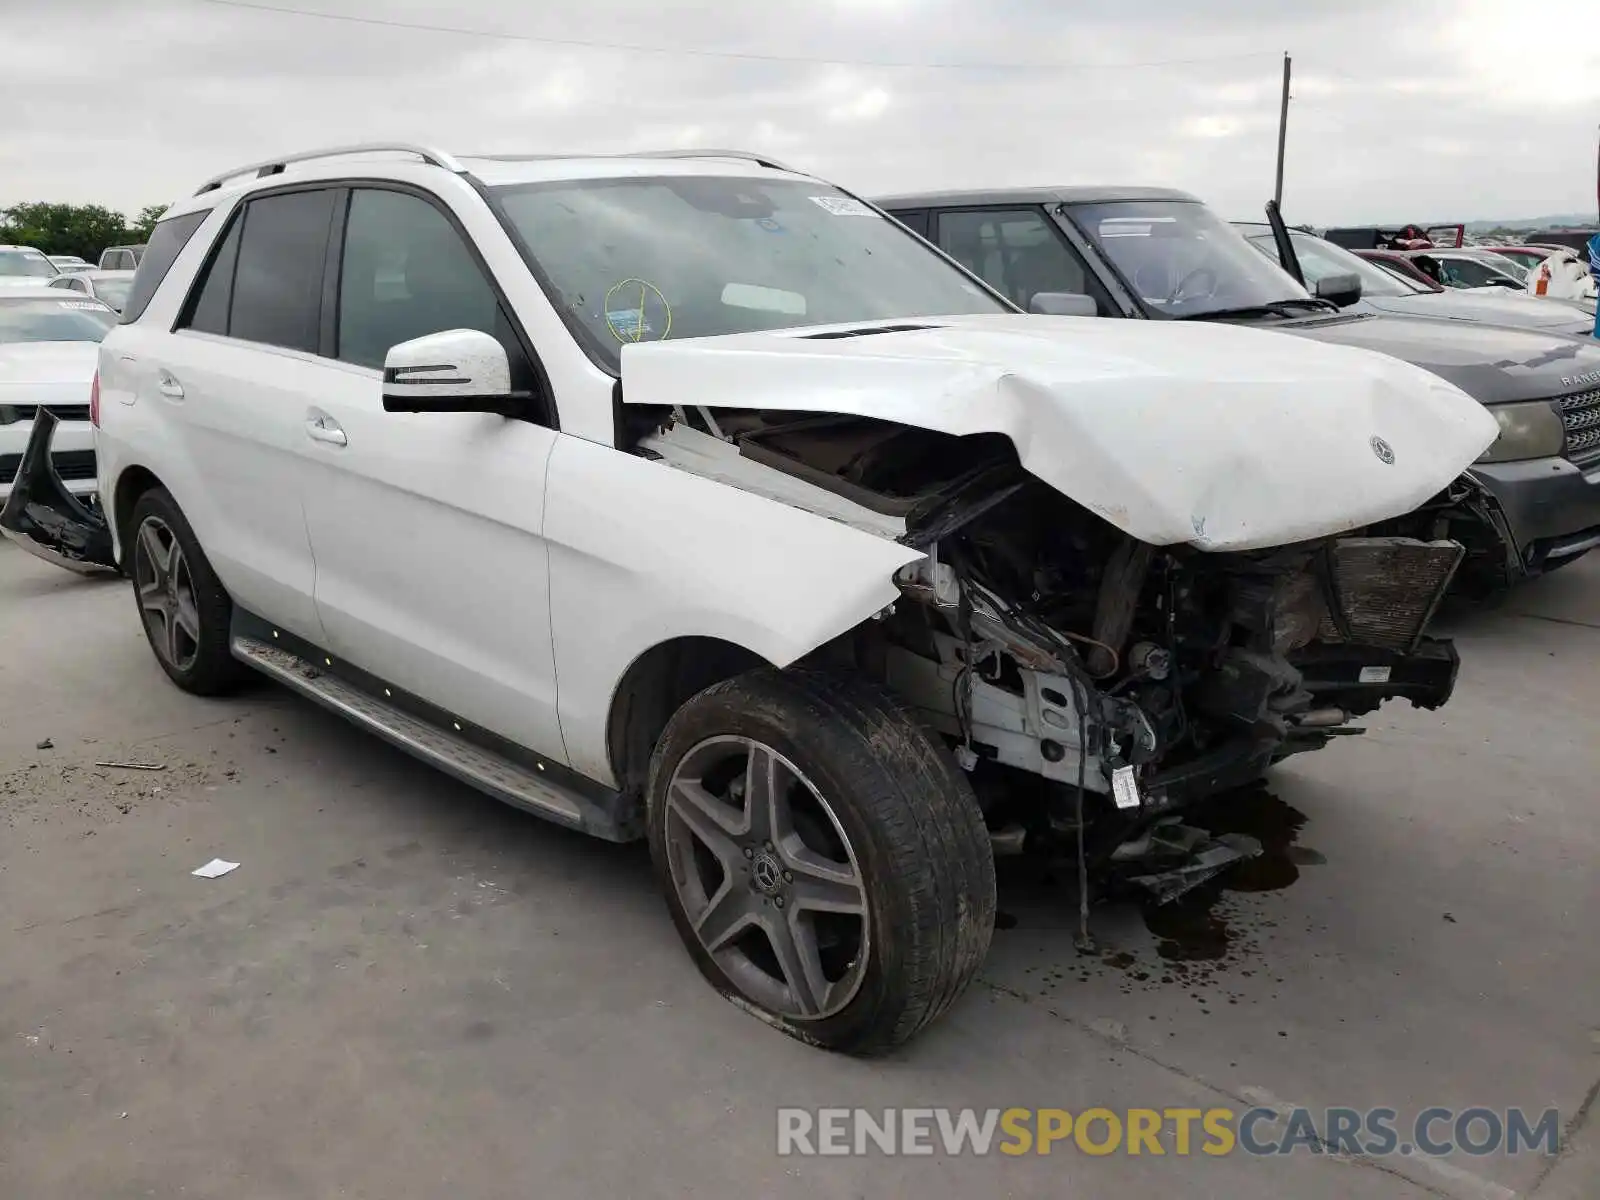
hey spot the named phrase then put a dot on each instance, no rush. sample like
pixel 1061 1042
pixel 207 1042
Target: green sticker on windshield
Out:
pixel 635 309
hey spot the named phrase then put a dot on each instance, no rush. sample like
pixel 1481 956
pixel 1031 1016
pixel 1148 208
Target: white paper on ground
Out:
pixel 214 868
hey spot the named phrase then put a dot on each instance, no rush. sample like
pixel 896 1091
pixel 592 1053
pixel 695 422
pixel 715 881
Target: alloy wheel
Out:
pixel 166 594
pixel 767 877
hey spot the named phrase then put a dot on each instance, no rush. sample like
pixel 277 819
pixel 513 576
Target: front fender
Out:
pixel 642 553
pixel 46 519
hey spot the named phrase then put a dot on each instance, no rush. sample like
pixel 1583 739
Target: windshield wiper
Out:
pixel 1293 307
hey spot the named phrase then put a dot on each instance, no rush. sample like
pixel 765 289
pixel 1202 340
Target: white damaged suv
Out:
pixel 689 497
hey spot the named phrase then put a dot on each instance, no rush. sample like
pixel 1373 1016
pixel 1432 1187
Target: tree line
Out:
pixel 81 229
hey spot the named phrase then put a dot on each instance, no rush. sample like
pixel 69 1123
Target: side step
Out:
pixel 498 776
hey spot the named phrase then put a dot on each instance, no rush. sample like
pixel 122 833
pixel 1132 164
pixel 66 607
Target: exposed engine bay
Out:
pixel 1090 683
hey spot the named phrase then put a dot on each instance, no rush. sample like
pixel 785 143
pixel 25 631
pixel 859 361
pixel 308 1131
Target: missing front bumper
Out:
pixel 43 516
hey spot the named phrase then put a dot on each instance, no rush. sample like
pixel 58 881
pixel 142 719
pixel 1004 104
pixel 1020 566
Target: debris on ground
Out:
pixel 214 869
pixel 46 744
pixel 133 766
pixel 1205 858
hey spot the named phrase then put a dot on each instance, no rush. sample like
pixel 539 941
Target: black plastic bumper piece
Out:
pixel 47 520
pixel 1360 678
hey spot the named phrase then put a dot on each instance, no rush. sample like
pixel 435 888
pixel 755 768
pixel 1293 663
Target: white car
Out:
pixel 49 346
pixel 111 287
pixel 689 497
pixel 23 266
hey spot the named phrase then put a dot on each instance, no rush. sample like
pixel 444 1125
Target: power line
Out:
pixel 692 52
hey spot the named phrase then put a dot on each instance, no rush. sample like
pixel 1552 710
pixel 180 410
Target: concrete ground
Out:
pixel 407 990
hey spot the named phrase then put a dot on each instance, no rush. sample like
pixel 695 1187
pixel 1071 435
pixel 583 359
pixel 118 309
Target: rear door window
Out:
pixel 167 241
pixel 208 304
pixel 277 282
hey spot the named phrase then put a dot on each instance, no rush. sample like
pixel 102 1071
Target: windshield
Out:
pixel 1320 258
pixel 1499 262
pixel 645 259
pixel 76 320
pixel 1467 271
pixel 1181 259
pixel 28 264
pixel 1527 259
pixel 113 291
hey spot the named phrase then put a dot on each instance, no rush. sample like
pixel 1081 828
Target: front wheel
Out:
pixel 824 861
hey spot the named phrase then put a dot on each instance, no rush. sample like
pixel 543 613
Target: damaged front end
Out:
pixel 1091 684
pixel 43 516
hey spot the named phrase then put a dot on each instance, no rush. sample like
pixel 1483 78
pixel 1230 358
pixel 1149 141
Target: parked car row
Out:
pixel 691 498
pixel 19 265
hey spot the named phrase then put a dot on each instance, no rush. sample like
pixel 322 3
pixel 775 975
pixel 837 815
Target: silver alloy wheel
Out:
pixel 166 594
pixel 767 877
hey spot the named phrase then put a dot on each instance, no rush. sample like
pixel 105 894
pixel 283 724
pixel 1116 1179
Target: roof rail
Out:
pixel 761 160
pixel 275 166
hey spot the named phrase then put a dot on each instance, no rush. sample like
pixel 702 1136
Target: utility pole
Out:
pixel 1283 129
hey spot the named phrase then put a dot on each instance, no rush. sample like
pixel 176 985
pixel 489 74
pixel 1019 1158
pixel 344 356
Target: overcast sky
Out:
pixel 1403 109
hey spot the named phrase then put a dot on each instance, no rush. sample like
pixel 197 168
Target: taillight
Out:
pixel 94 401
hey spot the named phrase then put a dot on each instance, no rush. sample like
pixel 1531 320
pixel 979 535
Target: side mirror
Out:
pixel 1343 290
pixel 1063 304
pixel 457 370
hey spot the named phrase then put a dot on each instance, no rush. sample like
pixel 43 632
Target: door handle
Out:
pixel 168 385
pixel 326 429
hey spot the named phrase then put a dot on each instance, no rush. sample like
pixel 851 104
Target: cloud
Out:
pixel 1430 110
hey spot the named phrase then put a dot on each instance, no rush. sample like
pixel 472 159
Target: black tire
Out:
pixel 211 670
pixel 925 861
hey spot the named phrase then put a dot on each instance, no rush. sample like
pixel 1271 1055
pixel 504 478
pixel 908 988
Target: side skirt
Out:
pixel 499 768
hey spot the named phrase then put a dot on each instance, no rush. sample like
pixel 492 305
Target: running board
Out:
pixel 528 788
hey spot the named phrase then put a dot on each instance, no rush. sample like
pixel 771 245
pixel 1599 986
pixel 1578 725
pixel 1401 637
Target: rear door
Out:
pixel 235 377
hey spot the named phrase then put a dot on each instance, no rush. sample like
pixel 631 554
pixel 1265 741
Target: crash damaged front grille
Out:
pixel 1580 417
pixel 1383 591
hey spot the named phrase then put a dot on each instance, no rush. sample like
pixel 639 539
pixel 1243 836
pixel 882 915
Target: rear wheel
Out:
pixel 182 604
pixel 824 860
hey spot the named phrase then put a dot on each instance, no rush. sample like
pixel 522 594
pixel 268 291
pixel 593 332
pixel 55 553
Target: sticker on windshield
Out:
pixel 843 206
pixel 635 309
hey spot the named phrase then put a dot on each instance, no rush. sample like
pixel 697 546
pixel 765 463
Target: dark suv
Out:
pixel 1530 504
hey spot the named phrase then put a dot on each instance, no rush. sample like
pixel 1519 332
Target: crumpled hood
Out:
pixel 1494 305
pixel 1492 363
pixel 1223 437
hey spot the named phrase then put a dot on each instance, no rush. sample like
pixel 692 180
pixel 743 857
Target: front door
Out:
pixel 426 527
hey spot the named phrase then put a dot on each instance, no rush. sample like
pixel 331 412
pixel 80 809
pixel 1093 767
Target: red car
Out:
pixel 1399 262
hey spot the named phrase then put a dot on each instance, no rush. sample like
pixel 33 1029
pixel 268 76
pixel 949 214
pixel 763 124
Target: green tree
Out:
pixel 139 231
pixel 81 229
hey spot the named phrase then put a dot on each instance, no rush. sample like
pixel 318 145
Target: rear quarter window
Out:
pixel 167 241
